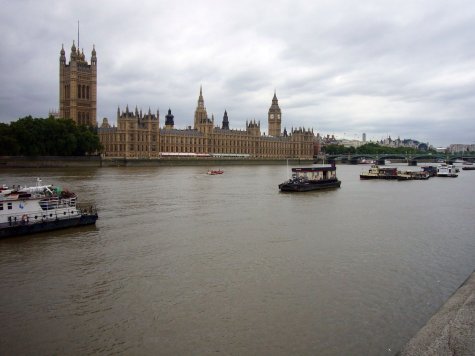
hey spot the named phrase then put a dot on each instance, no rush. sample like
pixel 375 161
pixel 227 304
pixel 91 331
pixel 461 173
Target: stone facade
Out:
pixel 78 87
pixel 140 136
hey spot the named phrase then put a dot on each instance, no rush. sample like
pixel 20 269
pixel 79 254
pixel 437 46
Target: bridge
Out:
pixel 411 159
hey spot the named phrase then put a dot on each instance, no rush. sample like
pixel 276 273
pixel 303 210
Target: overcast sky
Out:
pixel 402 68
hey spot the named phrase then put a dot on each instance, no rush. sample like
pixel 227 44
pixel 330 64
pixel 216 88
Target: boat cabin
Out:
pixel 314 173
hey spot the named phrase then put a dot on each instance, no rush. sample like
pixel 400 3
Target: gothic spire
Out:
pixel 274 99
pixel 225 125
pixel 201 101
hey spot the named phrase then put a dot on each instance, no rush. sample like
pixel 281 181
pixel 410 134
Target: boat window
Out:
pixel 1 206
pixel 9 206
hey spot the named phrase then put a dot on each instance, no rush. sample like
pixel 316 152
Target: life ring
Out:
pixel 24 218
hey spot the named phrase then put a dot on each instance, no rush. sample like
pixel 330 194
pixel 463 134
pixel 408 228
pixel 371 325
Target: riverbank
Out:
pixel 451 331
pixel 97 161
pixel 49 161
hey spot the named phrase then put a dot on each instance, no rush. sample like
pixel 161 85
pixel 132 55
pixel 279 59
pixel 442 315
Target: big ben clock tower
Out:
pixel 274 117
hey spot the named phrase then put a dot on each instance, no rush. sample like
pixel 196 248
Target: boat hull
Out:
pixel 20 228
pixel 387 177
pixel 308 186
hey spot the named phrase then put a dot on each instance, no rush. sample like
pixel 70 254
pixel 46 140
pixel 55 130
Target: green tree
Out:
pixel 8 144
pixel 53 137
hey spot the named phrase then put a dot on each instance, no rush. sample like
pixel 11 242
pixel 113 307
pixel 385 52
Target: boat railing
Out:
pixel 56 203
pixel 37 217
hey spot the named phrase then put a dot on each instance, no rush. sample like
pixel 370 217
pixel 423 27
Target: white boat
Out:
pixel 26 210
pixel 446 170
pixel 366 161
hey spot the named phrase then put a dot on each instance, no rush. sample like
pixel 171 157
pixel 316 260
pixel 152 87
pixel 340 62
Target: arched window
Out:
pixel 87 92
pixel 79 91
pixel 83 91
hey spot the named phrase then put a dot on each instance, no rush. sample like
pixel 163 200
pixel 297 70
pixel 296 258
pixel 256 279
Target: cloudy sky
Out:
pixel 401 68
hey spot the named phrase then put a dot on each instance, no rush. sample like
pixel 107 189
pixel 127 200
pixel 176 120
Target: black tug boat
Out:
pixel 311 178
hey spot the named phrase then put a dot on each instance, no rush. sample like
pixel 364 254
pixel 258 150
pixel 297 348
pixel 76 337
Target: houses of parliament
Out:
pixel 142 135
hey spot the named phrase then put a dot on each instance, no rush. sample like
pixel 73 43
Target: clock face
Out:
pixel 278 116
pixel 271 116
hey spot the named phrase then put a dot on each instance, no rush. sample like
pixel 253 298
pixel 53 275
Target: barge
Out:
pixel 311 178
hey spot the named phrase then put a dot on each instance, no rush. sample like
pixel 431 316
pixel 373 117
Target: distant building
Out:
pixel 140 136
pixel 350 143
pixel 455 148
pixel 78 87
pixel 53 113
pixel 410 143
pixel 364 137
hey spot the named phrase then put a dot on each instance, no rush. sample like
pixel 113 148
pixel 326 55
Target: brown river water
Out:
pixel 183 263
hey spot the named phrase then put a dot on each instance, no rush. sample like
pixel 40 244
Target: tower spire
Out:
pixel 200 98
pixel 78 34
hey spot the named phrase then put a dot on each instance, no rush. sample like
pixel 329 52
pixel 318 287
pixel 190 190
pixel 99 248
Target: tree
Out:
pixel 47 137
pixel 8 144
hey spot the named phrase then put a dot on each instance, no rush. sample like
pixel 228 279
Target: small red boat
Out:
pixel 213 172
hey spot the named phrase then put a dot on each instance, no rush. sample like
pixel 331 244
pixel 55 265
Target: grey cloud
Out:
pixel 379 67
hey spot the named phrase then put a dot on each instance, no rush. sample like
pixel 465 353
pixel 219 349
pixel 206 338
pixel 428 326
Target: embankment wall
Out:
pixel 97 161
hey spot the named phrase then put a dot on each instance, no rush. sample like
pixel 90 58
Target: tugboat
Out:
pixel 311 178
pixel 376 172
pixel 27 210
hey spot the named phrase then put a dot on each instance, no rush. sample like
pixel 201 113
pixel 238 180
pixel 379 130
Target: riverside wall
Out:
pixel 451 330
pixel 97 161
pixel 49 161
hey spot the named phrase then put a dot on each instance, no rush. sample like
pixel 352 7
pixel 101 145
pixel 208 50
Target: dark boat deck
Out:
pixel 19 228
pixel 305 186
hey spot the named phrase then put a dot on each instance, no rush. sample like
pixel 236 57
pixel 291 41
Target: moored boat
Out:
pixel 377 172
pixel 413 175
pixel 431 170
pixel 446 170
pixel 213 172
pixel 27 210
pixel 311 178
pixel 366 161
pixel 468 168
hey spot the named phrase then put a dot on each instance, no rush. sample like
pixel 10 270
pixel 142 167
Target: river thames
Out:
pixel 183 263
